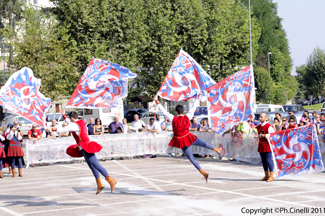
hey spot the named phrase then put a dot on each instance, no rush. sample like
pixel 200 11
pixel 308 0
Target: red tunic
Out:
pixel 15 148
pixel 182 136
pixel 83 141
pixel 263 145
pixel 2 150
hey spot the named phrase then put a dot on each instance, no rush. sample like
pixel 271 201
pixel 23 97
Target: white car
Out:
pixel 24 124
pixel 260 108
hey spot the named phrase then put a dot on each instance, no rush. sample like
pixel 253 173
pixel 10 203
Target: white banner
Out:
pixel 240 147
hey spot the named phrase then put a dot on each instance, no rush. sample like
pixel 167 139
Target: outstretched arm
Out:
pixel 190 113
pixel 163 110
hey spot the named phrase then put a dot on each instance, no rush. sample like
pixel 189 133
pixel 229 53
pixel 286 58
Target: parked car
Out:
pixel 322 109
pixel 26 125
pixel 304 102
pixel 298 102
pixel 129 115
pixel 268 108
pixel 321 100
pixel 294 108
pixel 315 101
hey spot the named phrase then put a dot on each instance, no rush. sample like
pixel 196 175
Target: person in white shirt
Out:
pixel 64 132
pixel 205 127
pixel 158 122
pixel 152 127
pixel 53 128
pixel 125 125
pixel 137 124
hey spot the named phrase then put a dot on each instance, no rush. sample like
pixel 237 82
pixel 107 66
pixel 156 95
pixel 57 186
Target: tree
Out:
pixel 314 75
pixel 42 45
pixel 264 85
pixel 301 71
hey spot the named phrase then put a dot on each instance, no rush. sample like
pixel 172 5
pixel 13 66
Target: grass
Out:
pixel 314 107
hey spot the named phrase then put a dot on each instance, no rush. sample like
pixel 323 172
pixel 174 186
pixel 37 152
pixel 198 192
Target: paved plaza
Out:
pixel 158 186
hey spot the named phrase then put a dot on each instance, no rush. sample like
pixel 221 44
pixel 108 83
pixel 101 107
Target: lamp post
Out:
pixel 4 64
pixel 250 32
pixel 268 60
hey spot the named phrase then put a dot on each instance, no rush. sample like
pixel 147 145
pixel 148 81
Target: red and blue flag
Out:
pixel 296 151
pixel 101 85
pixel 185 79
pixel 231 100
pixel 21 96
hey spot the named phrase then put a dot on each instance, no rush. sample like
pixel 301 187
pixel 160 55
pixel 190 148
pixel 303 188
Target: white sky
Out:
pixel 303 21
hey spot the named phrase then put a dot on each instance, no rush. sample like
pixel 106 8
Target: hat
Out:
pixel 303 120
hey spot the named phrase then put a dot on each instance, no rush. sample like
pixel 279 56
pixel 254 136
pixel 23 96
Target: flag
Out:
pixel 101 85
pixel 185 79
pixel 21 96
pixel 231 100
pixel 296 151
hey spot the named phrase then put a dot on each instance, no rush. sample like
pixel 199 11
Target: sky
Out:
pixel 303 21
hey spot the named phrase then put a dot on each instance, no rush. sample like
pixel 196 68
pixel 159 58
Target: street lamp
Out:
pixel 268 60
pixel 4 64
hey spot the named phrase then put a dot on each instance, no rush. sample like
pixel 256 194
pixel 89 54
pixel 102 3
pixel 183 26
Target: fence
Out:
pixel 243 148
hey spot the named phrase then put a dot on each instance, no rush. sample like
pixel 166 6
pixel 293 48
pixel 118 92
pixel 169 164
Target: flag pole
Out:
pixel 250 31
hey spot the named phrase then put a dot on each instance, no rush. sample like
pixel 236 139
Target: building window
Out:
pixel 36 2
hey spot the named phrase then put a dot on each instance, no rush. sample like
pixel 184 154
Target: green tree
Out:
pixel 264 85
pixel 314 77
pixel 46 48
pixel 301 71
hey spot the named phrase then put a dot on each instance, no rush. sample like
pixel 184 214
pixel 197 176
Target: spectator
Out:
pixel 34 134
pixel 308 121
pixel 243 127
pixel 17 125
pixel 125 125
pixel 279 116
pixel 277 126
pixel 195 125
pixel 112 127
pixel 151 126
pixel 98 128
pixel 291 114
pixel 137 124
pixel 322 130
pixel 302 122
pixel 64 132
pixel 292 123
pixel 119 130
pixel 322 116
pixel 51 135
pixel 284 123
pixel 167 126
pixel 252 125
pixel 306 113
pixel 53 128
pixel 205 127
pixel 314 116
pixel 90 126
pixel 158 122
pixel 317 123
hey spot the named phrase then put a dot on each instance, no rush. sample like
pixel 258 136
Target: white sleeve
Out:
pixel 2 138
pixel 167 114
pixel 271 130
pixel 11 135
pixel 73 127
pixel 67 120
pixel 190 113
pixel 143 124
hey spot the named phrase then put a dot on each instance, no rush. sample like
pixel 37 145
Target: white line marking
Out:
pixel 10 211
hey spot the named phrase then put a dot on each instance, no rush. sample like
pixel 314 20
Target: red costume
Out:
pixel 263 145
pixel 15 148
pixel 182 136
pixel 2 150
pixel 83 141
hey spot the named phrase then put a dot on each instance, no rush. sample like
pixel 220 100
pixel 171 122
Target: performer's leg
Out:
pixel 1 159
pixel 200 143
pixel 12 163
pixel 270 165
pixel 264 162
pixel 92 159
pixel 188 153
pixel 20 166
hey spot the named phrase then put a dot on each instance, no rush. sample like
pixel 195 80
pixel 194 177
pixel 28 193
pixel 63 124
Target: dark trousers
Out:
pixel 13 162
pixel 94 165
pixel 267 161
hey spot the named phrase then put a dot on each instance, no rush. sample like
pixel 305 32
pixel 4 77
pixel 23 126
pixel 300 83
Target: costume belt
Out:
pixel 181 136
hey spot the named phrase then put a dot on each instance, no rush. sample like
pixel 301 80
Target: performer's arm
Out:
pixel 12 133
pixel 190 113
pixel 163 110
pixel 2 138
pixel 271 130
pixel 73 127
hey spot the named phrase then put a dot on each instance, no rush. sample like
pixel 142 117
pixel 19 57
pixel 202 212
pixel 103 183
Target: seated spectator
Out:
pixel 90 126
pixel 125 125
pixel 152 127
pixel 158 122
pixel 163 124
pixel 112 127
pixel 205 127
pixel 167 126
pixel 284 123
pixel 302 122
pixel 137 124
pixel 64 132
pixel 53 128
pixel 277 126
pixel 34 134
pixel 98 128
pixel 195 125
pixel 244 127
